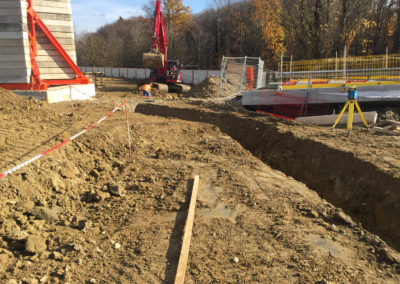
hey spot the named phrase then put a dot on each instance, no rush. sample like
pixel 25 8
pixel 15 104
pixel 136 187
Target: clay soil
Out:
pixel 92 212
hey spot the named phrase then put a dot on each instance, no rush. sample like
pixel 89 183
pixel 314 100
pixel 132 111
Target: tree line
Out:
pixel 305 29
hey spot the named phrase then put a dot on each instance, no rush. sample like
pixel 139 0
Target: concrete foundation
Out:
pixel 366 94
pixel 370 117
pixel 63 93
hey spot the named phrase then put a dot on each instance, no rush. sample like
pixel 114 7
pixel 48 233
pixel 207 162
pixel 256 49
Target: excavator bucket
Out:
pixel 153 60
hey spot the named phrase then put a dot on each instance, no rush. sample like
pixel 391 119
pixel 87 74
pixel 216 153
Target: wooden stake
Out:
pixel 129 130
pixel 181 270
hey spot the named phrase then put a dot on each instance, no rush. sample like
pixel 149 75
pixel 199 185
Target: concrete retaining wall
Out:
pixel 191 77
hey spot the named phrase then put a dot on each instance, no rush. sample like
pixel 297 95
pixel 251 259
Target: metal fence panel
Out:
pixel 239 74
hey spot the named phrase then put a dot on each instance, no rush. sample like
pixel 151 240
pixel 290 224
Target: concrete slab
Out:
pixel 13 50
pixel 56 71
pixel 62 41
pixel 54 52
pixel 50 22
pixel 16 72
pixel 46 46
pixel 12 4
pixel 11 12
pixel 58 76
pixel 52 10
pixel 56 57
pixel 318 96
pixel 63 29
pixel 14 43
pixel 59 17
pixel 13 19
pixel 16 57
pixel 58 4
pixel 370 117
pixel 5 79
pixel 12 65
pixel 13 35
pixel 53 64
pixel 63 93
pixel 12 27
pixel 58 35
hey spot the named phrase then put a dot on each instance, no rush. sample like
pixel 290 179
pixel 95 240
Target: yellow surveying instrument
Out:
pixel 351 102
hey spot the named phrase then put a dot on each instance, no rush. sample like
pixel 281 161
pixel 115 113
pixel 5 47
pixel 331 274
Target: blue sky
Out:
pixel 89 15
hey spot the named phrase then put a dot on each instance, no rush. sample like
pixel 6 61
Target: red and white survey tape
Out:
pixel 20 166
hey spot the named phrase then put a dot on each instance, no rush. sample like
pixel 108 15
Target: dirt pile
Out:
pixel 19 107
pixel 8 99
pixel 206 89
pixel 389 114
pixel 210 88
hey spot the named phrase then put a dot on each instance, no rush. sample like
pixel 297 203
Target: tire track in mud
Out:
pixel 361 189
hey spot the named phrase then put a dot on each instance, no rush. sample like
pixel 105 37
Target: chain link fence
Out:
pixel 239 74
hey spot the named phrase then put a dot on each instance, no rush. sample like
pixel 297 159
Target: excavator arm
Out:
pixel 157 57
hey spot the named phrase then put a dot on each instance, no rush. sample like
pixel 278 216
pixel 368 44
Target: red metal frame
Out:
pixel 160 40
pixel 159 43
pixel 38 84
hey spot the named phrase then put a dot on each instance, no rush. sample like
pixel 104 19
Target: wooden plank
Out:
pixel 181 270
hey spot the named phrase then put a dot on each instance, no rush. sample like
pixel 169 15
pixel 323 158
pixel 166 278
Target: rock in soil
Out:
pixel 35 244
pixel 46 214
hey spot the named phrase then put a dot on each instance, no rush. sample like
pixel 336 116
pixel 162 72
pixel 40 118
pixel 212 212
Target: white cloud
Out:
pixel 90 15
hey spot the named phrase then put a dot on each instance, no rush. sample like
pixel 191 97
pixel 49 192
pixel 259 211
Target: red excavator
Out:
pixel 166 74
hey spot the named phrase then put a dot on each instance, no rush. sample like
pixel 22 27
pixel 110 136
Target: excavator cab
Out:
pixel 174 71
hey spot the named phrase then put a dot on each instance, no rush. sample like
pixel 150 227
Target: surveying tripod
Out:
pixel 351 102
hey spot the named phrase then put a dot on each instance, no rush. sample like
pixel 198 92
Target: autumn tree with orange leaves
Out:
pixel 268 14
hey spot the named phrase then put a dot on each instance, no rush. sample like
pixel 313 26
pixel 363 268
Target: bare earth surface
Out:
pixel 91 212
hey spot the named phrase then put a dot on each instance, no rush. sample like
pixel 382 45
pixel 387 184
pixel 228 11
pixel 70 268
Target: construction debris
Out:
pixel 388 127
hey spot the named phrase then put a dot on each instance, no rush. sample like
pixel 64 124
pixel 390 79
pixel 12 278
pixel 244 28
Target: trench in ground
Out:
pixel 362 190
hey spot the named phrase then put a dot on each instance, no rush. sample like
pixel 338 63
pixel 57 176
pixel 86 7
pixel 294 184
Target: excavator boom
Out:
pixel 157 57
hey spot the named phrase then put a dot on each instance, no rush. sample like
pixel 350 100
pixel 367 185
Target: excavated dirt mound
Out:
pixel 14 106
pixel 91 213
pixel 206 89
pixel 209 89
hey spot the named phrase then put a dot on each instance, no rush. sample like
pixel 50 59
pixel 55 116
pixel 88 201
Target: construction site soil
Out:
pixel 278 202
